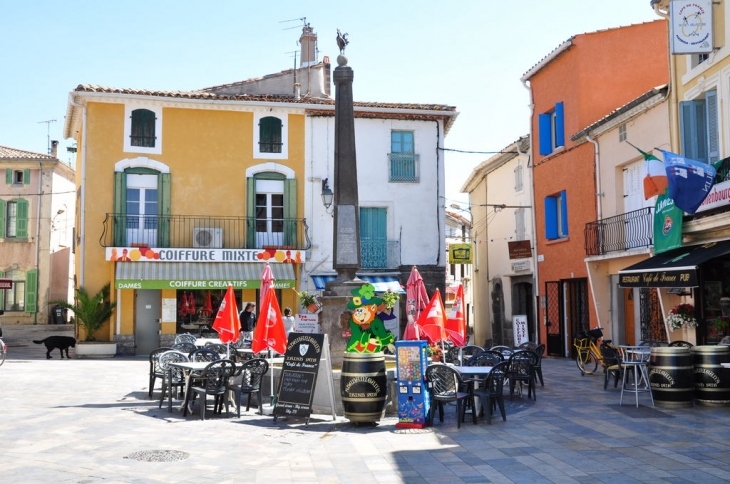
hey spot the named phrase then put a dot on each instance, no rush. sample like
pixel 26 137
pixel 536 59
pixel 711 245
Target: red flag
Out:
pixel 433 319
pixel 226 321
pixel 269 331
pixel 456 323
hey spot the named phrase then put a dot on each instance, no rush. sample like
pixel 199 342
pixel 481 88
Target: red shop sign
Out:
pixel 6 284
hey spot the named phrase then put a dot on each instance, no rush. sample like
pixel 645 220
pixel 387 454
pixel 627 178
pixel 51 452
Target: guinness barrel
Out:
pixel 671 375
pixel 363 386
pixel 712 383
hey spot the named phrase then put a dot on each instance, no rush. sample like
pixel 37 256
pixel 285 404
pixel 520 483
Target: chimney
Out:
pixel 308 41
pixel 54 148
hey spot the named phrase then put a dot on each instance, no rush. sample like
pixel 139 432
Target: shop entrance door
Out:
pixel 147 315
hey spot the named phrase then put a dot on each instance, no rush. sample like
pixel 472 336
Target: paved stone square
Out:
pixel 91 421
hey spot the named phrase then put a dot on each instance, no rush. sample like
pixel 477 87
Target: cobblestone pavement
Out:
pixel 91 421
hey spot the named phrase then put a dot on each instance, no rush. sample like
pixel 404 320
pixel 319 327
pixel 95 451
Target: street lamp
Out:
pixel 327 195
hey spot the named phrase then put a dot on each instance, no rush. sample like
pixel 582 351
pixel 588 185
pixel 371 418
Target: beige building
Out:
pixel 500 197
pixel 36 233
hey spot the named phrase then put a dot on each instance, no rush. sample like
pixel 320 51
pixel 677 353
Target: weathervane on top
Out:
pixel 342 41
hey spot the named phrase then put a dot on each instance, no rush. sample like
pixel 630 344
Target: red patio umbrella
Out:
pixel 267 282
pixel 191 303
pixel 416 300
pixel 208 304
pixel 270 331
pixel 433 319
pixel 456 323
pixel 226 321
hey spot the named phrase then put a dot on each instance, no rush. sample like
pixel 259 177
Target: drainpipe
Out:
pixel 530 164
pixel 599 193
pixel 82 216
pixel 38 243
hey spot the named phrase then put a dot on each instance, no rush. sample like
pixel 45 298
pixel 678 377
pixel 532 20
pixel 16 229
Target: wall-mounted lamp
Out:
pixel 327 195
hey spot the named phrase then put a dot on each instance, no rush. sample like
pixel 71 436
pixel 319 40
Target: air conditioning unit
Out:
pixel 207 238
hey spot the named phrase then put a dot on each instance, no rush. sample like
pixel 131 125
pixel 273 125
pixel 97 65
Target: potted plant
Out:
pixel 90 313
pixel 308 301
pixel 720 323
pixel 435 352
pixel 390 298
pixel 682 316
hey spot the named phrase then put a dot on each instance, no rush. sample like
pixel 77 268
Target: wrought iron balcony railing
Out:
pixel 191 231
pixel 629 230
pixel 404 167
pixel 379 253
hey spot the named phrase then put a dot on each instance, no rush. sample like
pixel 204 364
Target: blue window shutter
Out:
pixel 551 218
pixel 564 211
pixel 22 220
pixel 543 126
pixel 713 141
pixel 559 125
pixel 692 126
pixel 686 129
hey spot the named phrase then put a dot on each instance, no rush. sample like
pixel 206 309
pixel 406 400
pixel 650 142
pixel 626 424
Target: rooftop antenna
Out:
pixel 48 132
pixel 303 20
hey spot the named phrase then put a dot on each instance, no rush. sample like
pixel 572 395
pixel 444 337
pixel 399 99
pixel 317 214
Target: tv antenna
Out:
pixel 48 132
pixel 303 20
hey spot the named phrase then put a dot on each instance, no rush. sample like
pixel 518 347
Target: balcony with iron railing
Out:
pixel 378 253
pixel 404 167
pixel 191 231
pixel 630 230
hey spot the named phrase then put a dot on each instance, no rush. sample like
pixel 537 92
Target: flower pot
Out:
pixel 436 358
pixel 96 349
pixel 313 308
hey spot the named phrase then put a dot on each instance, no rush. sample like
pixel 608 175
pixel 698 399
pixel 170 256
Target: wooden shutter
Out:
pixel 551 218
pixel 544 127
pixel 8 176
pixel 120 208
pixel 31 291
pixel 3 207
pixel 163 209
pixel 26 176
pixel 290 213
pixel 251 213
pixel 21 230
pixel 713 136
pixel 559 125
pixel 692 128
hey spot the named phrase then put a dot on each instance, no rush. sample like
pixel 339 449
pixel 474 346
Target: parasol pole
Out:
pixel 271 373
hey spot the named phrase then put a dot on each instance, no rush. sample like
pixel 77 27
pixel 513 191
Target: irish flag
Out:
pixel 655 175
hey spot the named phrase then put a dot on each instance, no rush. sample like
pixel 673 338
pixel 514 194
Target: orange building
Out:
pixel 586 77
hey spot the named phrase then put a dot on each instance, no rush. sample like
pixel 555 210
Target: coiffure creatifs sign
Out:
pixel 690 26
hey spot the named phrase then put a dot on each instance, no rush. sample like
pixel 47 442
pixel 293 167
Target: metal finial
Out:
pixel 342 41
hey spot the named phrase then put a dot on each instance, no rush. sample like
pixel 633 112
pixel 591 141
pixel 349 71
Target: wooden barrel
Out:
pixel 712 381
pixel 363 386
pixel 671 375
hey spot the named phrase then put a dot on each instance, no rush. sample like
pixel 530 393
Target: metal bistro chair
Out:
pixel 174 378
pixel 611 364
pixel 505 351
pixel 485 358
pixel 186 348
pixel 491 392
pixel 539 351
pixel 248 380
pixel 155 370
pixel 204 354
pixel 446 385
pixel 219 348
pixel 212 381
pixel 635 360
pixel 185 338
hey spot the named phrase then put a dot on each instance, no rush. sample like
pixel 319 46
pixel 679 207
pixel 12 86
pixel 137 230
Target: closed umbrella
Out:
pixel 267 282
pixel 456 323
pixel 270 331
pixel 433 319
pixel 416 301
pixel 226 321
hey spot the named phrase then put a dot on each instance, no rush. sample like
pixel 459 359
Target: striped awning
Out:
pixel 199 275
pixel 381 283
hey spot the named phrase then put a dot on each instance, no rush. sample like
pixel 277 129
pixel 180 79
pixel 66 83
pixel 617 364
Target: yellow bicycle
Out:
pixel 589 354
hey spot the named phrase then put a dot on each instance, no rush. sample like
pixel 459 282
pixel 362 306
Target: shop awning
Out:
pixel 199 275
pixel 381 283
pixel 674 268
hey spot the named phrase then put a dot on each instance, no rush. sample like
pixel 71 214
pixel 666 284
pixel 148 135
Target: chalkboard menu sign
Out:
pixel 299 375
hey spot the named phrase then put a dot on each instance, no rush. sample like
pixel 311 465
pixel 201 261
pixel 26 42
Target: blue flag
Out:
pixel 689 180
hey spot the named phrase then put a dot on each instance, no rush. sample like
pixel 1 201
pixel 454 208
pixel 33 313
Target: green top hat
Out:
pixel 363 296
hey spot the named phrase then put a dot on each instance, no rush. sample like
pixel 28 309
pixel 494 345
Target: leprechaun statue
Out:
pixel 368 331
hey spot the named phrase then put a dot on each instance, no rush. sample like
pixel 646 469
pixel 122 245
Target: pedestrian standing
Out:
pixel 247 318
pixel 290 324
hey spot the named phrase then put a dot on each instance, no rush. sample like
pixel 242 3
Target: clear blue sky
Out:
pixel 469 54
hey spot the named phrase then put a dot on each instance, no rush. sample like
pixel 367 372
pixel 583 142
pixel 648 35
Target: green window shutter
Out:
pixel 143 128
pixel 26 176
pixel 120 208
pixel 8 176
pixel 2 219
pixel 163 192
pixel 250 213
pixel 290 213
pixel 2 294
pixel 22 221
pixel 31 291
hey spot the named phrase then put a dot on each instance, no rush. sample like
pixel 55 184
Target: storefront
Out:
pixel 697 274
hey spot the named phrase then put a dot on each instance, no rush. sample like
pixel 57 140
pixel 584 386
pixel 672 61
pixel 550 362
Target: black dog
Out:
pixel 60 342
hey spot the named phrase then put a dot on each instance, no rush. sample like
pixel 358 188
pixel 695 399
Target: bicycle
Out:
pixel 3 349
pixel 589 354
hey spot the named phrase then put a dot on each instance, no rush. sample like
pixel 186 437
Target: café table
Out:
pixel 636 360
pixel 191 368
pixel 200 342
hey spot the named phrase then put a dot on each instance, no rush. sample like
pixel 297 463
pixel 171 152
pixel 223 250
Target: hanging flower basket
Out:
pixel 308 301
pixel 682 316
pixel 390 299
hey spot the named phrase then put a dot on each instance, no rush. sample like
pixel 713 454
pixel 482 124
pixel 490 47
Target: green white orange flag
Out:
pixel 655 175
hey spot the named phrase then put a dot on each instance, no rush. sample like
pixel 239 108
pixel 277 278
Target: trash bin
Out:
pixel 58 314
